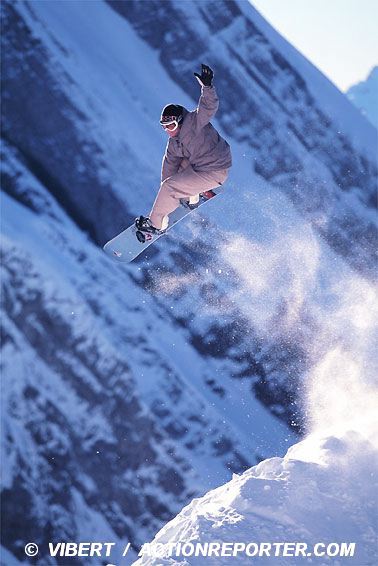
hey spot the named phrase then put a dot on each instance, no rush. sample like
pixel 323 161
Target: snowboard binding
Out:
pixel 143 236
pixel 145 231
pixel 191 203
pixel 194 201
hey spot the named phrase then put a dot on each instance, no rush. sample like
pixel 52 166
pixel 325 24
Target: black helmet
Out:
pixel 171 112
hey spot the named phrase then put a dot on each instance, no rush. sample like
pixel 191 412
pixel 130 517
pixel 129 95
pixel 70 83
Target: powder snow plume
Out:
pixel 342 388
pixel 293 281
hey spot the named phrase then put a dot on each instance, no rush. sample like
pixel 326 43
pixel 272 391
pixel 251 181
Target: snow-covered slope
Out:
pixel 130 390
pixel 364 96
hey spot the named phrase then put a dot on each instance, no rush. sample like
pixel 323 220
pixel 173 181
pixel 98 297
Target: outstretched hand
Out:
pixel 206 76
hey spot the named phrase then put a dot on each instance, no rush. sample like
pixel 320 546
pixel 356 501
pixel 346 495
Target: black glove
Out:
pixel 206 76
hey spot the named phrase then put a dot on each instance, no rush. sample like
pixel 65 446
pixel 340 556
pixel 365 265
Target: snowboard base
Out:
pixel 128 245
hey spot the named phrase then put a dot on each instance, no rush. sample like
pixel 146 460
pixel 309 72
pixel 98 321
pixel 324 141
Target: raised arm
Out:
pixel 207 106
pixel 208 103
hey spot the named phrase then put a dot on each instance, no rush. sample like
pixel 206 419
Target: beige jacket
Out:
pixel 198 141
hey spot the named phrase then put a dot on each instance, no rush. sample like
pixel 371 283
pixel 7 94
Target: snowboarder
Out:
pixel 196 159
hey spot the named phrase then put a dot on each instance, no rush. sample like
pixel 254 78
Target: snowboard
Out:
pixel 126 246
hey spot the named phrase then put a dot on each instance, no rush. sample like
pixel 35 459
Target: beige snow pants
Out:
pixel 183 184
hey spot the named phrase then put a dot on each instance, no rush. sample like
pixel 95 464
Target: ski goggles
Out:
pixel 170 123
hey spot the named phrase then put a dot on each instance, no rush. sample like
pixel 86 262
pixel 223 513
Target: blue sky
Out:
pixel 338 36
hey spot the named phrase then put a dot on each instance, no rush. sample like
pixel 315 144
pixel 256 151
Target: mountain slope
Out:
pixel 130 390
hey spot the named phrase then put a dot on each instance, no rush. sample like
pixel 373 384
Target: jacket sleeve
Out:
pixel 170 165
pixel 207 106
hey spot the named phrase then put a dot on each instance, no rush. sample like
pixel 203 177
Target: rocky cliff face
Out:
pixel 127 391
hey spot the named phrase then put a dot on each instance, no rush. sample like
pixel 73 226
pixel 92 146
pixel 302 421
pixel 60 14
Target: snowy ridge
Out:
pixel 364 96
pixel 294 499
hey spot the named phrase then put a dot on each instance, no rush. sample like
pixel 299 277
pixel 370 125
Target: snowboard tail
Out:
pixel 130 243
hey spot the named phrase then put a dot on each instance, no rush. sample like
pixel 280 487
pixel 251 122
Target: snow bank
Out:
pixel 290 499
